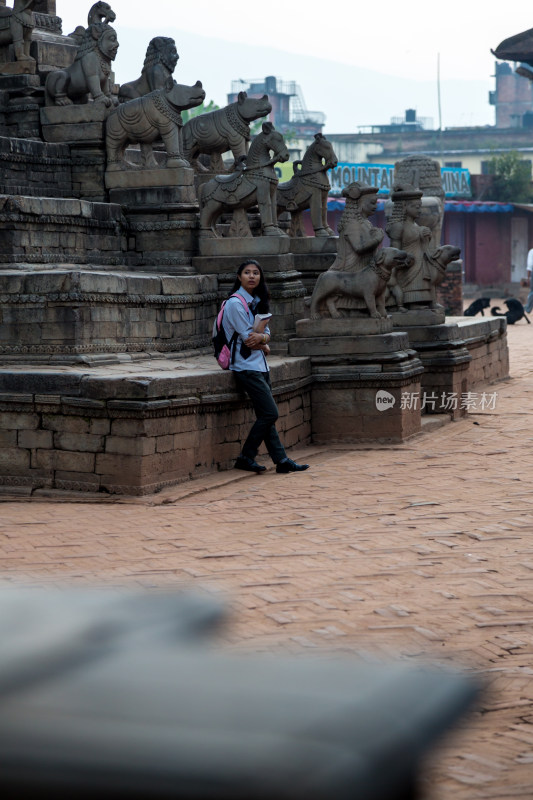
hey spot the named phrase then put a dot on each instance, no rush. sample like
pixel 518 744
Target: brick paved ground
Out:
pixel 423 550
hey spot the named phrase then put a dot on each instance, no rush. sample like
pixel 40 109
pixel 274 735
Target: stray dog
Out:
pixel 514 313
pixel 368 284
pixel 477 306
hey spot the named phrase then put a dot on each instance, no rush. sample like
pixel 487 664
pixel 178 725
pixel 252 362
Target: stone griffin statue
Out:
pixel 228 128
pixel 308 188
pixel 415 287
pixel 88 76
pixel 148 118
pixel 16 27
pixel 100 12
pixel 159 64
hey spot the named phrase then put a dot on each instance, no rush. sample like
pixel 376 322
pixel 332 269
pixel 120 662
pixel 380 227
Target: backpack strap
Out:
pixel 233 341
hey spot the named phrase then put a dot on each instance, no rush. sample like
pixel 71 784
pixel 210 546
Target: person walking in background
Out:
pixel 529 302
pixel 249 365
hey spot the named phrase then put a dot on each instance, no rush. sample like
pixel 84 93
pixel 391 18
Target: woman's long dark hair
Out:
pixel 263 307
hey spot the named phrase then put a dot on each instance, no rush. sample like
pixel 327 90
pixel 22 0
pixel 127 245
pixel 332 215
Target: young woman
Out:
pixel 250 368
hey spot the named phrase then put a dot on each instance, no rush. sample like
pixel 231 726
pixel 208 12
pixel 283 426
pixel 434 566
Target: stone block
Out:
pixel 64 460
pixel 14 460
pixel 8 438
pixel 13 420
pixel 76 425
pixel 79 442
pixel 131 446
pixel 35 439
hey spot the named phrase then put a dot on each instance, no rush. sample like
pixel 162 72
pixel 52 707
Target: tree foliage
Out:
pixel 512 179
pixel 201 109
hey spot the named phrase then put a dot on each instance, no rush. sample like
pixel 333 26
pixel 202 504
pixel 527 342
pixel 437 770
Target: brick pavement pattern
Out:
pixel 420 551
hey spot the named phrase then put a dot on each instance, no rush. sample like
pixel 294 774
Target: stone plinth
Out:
pixel 445 357
pixel 151 187
pixel 450 291
pixel 137 427
pixel 312 256
pixel 21 96
pixel 44 230
pixel 75 124
pixel 253 247
pixel 29 167
pixel 70 317
pixel 17 68
pixel 351 326
pixel 359 381
pixel 486 341
pixel 162 219
pixel 139 178
pixel 417 317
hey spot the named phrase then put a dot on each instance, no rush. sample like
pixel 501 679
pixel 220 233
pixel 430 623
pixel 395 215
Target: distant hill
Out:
pixel 350 96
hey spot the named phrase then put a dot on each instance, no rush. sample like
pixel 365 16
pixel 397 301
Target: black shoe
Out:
pixel 290 466
pixel 248 464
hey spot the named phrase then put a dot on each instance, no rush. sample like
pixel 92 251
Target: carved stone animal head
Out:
pixel 324 149
pixel 182 97
pixel 275 142
pixel 445 254
pixel 98 36
pixel 251 108
pixel 161 50
pixel 101 12
pixel 390 257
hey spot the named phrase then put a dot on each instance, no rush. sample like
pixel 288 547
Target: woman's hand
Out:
pixel 255 340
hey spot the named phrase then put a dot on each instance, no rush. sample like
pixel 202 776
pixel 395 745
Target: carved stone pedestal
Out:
pixel 286 288
pixel 312 256
pixel 161 209
pixel 76 123
pixel 82 129
pixel 359 379
pixel 21 97
pixel 445 357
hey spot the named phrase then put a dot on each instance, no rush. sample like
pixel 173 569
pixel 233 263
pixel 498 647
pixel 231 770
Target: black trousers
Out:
pixel 259 389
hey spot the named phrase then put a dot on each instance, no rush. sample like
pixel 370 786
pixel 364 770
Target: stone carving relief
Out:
pixel 89 75
pixel 308 188
pixel 144 120
pixel 254 182
pixel 358 238
pixel 415 287
pixel 368 284
pixel 159 64
pixel 222 130
pixel 425 173
pixel 16 27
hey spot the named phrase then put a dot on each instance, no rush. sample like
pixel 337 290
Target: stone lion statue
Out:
pixel 89 75
pixel 159 64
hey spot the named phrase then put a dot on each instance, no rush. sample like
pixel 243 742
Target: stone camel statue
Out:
pixel 16 26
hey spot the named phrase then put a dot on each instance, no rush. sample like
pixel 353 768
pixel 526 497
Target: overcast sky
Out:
pixel 360 63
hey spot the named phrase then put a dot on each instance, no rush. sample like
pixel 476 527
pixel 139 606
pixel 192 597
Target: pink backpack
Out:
pixel 224 350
